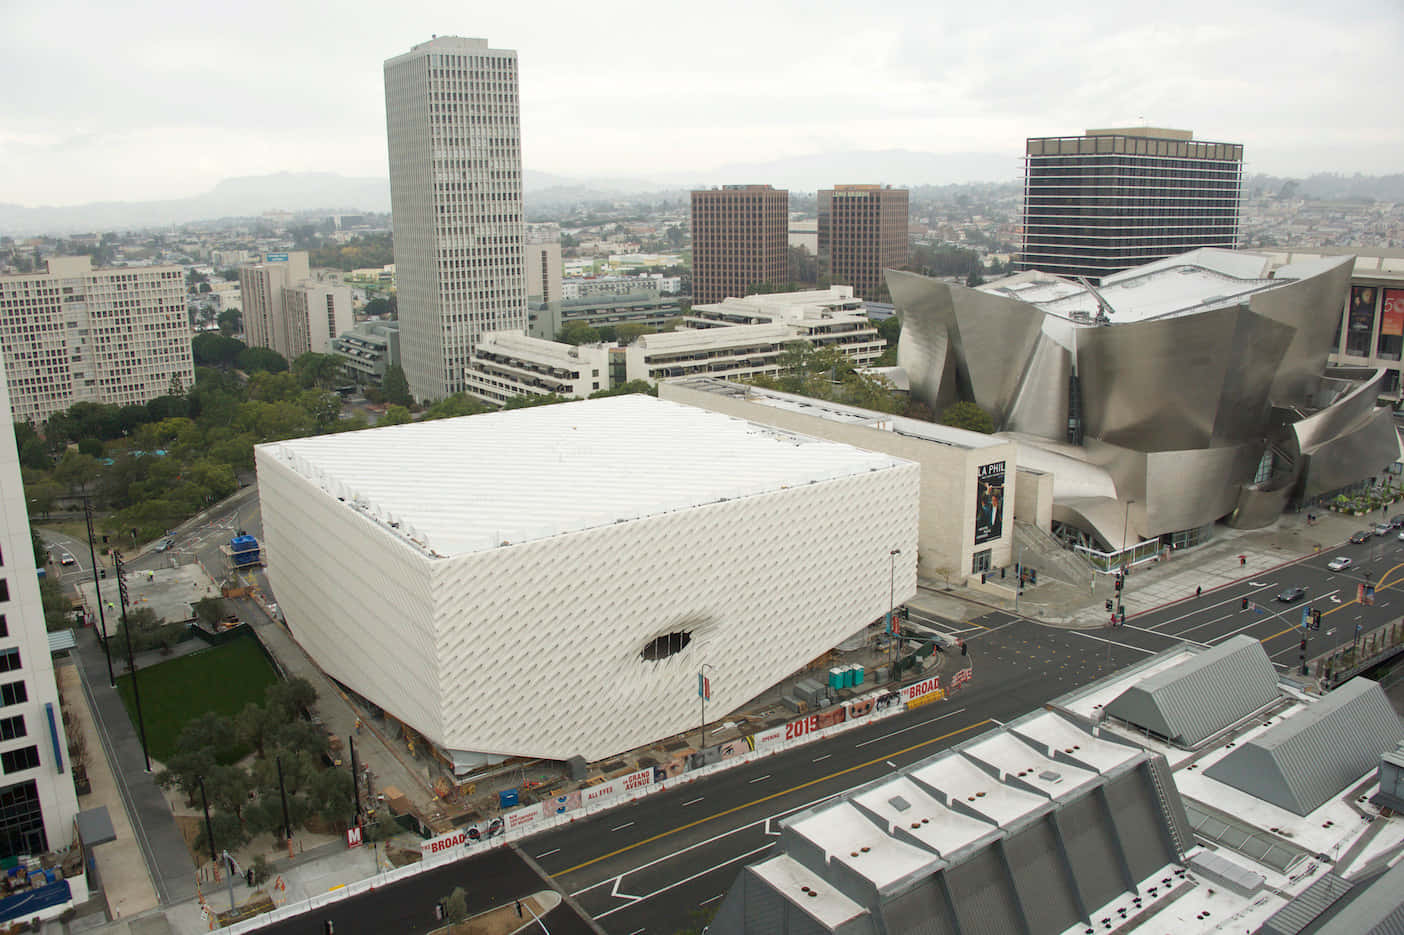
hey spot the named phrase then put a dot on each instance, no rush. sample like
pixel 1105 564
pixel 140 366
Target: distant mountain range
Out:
pixel 252 196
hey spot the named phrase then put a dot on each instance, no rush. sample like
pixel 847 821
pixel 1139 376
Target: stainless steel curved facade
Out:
pixel 1195 388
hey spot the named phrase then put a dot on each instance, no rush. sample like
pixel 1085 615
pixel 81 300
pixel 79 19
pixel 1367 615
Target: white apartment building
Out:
pixel 261 285
pixel 367 349
pixel 77 334
pixel 453 128
pixel 507 364
pixel 739 338
pixel 286 310
pixel 589 287
pixel 37 798
pixel 543 270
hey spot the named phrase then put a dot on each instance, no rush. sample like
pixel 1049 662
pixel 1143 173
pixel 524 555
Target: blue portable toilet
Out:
pixel 507 798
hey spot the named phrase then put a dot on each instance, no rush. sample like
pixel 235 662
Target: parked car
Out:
pixel 1341 562
pixel 1292 594
pixel 1361 536
pixel 1397 521
pixel 1383 529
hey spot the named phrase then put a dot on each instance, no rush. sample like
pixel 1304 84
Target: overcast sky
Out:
pixel 146 99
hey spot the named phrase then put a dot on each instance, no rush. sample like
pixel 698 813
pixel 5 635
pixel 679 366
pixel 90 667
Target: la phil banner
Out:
pixel 989 502
pixel 1392 317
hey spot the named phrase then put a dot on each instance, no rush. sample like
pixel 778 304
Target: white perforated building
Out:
pixel 549 582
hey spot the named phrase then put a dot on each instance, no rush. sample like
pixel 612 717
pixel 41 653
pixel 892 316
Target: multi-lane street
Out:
pixel 653 866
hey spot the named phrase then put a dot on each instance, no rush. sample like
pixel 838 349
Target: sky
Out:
pixel 150 100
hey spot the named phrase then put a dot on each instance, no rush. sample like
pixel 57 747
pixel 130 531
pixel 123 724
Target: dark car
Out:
pixel 1397 521
pixel 1361 536
pixel 1292 595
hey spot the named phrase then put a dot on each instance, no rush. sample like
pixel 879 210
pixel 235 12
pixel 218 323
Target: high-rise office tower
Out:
pixel 862 231
pixel 454 132
pixel 740 239
pixel 75 334
pixel 37 799
pixel 1113 199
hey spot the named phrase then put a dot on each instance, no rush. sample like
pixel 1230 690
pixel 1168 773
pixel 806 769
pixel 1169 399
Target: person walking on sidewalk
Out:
pixel 1198 589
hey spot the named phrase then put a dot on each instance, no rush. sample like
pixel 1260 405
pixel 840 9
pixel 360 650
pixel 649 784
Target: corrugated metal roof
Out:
pixel 1306 759
pixel 59 640
pixel 1203 695
pixel 1302 911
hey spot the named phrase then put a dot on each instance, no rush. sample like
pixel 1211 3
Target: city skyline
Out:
pixel 166 110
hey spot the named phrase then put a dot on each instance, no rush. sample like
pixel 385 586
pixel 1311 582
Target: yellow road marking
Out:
pixel 1325 613
pixel 767 798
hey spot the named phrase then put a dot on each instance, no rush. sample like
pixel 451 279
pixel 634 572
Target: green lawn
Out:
pixel 221 679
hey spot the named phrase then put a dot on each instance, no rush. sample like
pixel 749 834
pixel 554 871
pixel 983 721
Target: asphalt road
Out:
pixel 490 880
pixel 651 867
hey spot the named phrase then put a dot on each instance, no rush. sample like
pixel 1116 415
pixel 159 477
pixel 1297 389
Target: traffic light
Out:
pixel 1245 603
pixel 984 576
pixel 906 612
pixel 1033 576
pixel 1304 644
pixel 963 649
pixel 1118 582
pixel 1315 619
pixel 1109 605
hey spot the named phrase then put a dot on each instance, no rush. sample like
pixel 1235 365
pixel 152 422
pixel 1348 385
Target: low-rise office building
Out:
pixel 443 571
pixel 967 479
pixel 367 349
pixel 507 364
pixel 546 319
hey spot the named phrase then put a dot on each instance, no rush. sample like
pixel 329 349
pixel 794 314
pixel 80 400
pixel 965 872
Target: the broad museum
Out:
pixel 1174 395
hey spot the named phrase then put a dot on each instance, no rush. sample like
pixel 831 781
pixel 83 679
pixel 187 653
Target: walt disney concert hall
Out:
pixel 1176 394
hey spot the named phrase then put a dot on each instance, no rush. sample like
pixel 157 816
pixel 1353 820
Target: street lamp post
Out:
pixel 893 629
pixel 97 589
pixel 120 567
pixel 1125 526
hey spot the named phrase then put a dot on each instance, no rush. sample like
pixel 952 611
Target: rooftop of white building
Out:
pixel 838 412
pixel 539 349
pixel 793 306
pixel 457 486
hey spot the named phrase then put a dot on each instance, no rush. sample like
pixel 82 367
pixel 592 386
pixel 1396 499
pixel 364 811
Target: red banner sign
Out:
pixel 1392 318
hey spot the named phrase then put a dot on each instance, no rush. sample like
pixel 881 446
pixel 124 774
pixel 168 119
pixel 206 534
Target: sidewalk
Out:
pixel 1157 584
pixel 172 872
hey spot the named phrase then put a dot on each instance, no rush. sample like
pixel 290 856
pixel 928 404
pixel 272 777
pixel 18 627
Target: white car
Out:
pixel 66 559
pixel 1341 562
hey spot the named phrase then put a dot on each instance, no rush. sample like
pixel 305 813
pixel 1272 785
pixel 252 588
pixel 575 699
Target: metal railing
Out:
pixel 1107 563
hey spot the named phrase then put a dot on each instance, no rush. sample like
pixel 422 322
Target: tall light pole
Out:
pixel 1125 526
pixel 97 588
pixel 704 691
pixel 121 570
pixel 892 627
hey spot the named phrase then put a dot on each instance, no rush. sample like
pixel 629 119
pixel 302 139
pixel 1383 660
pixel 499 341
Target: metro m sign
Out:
pixel 353 836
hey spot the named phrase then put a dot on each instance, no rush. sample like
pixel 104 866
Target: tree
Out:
pixel 76 470
pixel 252 359
pixel 231 322
pixel 219 350
pixel 577 332
pixel 289 698
pixel 967 415
pixel 317 370
pixel 625 389
pixel 456 905
pixel 229 275
pixel 395 415
pixel 451 407
pixel 91 447
pixel 382 307
pixel 394 386
pixel 229 833
pixel 532 400
pixel 209 610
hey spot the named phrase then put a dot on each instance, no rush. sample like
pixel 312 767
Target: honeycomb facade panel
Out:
pixel 584 637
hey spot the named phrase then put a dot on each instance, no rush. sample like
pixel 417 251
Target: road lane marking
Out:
pixel 623 826
pixel 694 801
pixel 700 873
pixel 909 727
pixel 1148 652
pixel 1193 613
pixel 891 764
pixel 712 899
pixel 548 853
pixel 767 798
pixel 759 778
pixel 824 757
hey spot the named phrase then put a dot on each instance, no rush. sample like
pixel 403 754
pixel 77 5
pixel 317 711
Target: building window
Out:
pixel 17 761
pixel 12 728
pixel 4 627
pixel 9 659
pixel 4 589
pixel 980 562
pixel 13 693
pixel 21 821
